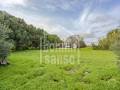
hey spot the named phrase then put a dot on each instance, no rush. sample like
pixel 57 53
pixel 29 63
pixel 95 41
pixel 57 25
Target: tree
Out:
pixel 4 44
pixel 54 39
pixel 76 41
pixel 111 38
pixel 25 36
pixel 103 44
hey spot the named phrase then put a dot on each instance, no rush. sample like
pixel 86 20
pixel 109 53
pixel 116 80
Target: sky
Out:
pixel 92 19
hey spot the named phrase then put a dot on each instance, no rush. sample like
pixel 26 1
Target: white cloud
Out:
pixel 65 5
pixel 95 24
pixel 7 3
pixel 90 24
pixel 51 27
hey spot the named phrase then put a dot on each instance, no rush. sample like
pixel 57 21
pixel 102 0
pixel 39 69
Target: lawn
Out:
pixel 53 70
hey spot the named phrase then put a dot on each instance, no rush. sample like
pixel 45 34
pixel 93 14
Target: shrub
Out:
pixel 4 51
pixel 4 44
pixel 95 47
pixel 112 37
pixel 116 48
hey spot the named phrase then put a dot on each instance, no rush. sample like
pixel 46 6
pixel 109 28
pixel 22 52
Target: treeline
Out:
pixel 106 43
pixel 24 36
pixel 15 35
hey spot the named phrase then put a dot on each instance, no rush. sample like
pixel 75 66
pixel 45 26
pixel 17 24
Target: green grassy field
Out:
pixel 96 70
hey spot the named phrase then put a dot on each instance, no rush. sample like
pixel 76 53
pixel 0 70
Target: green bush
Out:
pixel 95 47
pixel 116 48
pixel 105 43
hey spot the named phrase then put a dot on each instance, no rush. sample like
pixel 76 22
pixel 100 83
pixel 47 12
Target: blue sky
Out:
pixel 91 19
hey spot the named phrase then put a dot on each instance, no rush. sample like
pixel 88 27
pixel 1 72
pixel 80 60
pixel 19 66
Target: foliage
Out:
pixel 111 38
pixel 94 46
pixel 54 39
pixel 103 44
pixel 5 46
pixel 116 48
pixel 22 35
pixel 4 49
pixel 76 39
pixel 82 44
